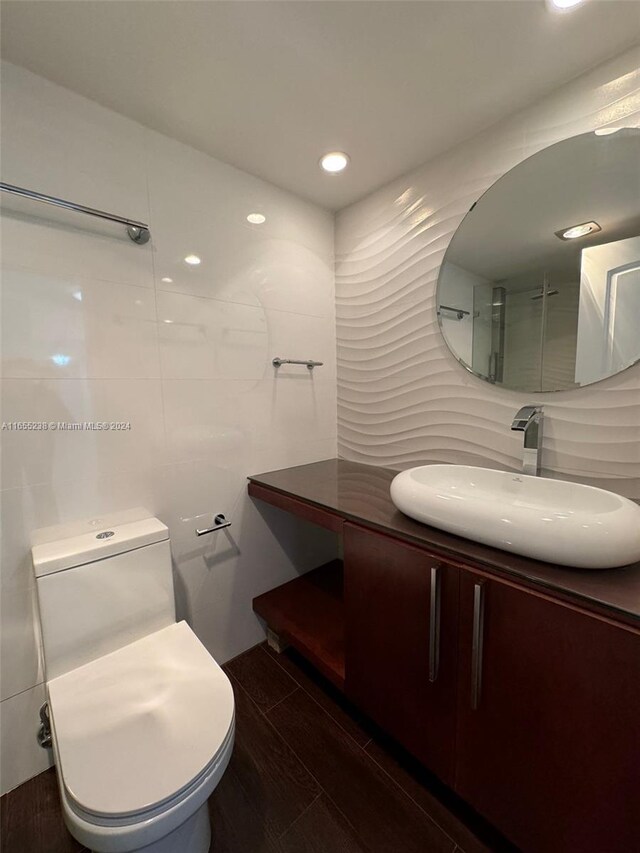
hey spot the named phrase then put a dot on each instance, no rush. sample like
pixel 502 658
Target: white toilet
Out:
pixel 142 716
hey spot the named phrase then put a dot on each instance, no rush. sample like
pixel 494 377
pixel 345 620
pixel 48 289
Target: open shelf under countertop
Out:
pixel 338 490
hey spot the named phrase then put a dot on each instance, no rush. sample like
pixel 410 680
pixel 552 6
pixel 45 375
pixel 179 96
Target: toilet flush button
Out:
pixel 106 534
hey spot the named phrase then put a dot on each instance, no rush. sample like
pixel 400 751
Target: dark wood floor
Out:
pixel 307 775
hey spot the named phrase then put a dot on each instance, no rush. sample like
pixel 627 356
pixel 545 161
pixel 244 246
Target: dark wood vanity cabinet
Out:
pixel 548 720
pixel 527 706
pixel 532 713
pixel 516 682
pixel 401 642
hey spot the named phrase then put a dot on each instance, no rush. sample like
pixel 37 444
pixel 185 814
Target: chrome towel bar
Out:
pixel 219 523
pixel 137 231
pixel 459 313
pixel 278 362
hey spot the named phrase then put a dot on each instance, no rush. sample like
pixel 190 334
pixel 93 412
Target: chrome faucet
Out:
pixel 529 421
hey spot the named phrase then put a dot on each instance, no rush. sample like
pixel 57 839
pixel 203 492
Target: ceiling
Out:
pixel 271 86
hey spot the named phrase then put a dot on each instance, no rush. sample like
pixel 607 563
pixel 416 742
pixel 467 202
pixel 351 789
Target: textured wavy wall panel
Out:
pixel 402 397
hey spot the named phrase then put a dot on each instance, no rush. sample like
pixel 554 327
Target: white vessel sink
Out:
pixel 554 520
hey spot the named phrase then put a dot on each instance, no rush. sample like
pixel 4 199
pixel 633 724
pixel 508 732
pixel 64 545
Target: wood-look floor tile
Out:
pixel 238 821
pixel 32 819
pixel 271 776
pixel 324 693
pixel 383 816
pixel 470 832
pixel 321 829
pixel 262 678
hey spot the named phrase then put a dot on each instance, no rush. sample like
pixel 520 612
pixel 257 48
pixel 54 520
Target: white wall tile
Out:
pixel 205 404
pixel 56 455
pixel 205 419
pixel 300 337
pixel 209 339
pixel 289 409
pixel 242 263
pixel 20 755
pixel 289 453
pixel 196 491
pixel 20 657
pixel 74 327
pixel 62 245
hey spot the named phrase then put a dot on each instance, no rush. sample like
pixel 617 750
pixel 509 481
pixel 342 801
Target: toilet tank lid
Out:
pixel 105 541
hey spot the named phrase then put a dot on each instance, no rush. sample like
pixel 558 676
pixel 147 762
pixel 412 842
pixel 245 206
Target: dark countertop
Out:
pixel 360 493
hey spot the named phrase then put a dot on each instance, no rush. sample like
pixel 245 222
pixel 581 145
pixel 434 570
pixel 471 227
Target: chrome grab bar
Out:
pixel 460 313
pixel 219 523
pixel 278 362
pixel 137 231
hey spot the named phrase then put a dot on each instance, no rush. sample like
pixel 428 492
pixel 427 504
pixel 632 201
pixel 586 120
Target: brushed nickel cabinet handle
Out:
pixel 476 644
pixel 434 623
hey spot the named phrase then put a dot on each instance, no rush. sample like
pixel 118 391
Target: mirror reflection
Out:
pixel 540 286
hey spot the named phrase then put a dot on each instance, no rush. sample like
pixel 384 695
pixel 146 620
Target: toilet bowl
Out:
pixel 142 717
pixel 142 736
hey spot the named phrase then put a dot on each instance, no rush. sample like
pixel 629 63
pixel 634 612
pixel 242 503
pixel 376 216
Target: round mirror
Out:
pixel 540 286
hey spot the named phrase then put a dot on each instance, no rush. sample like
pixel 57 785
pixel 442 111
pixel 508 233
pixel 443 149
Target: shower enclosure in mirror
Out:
pixel 540 286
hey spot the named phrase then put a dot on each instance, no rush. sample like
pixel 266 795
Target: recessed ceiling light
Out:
pixel 77 294
pixel 256 218
pixel 606 131
pixel 168 321
pixel 192 260
pixel 334 162
pixel 564 4
pixel 576 231
pixel 168 280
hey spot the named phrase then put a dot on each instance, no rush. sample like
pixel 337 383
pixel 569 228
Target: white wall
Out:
pixel 402 397
pixel 186 361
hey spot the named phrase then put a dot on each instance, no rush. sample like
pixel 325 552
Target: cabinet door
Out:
pixel 401 642
pixel 548 744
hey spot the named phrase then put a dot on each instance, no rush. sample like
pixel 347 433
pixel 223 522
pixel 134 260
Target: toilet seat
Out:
pixel 213 771
pixel 138 730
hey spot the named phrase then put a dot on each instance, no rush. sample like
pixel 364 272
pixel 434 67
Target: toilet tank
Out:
pixel 101 586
